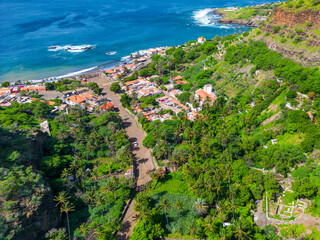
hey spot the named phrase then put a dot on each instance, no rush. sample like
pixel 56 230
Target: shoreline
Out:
pixel 121 62
pixel 95 69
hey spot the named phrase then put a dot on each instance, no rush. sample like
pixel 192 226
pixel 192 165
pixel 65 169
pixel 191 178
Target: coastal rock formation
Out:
pixel 281 17
pixel 226 20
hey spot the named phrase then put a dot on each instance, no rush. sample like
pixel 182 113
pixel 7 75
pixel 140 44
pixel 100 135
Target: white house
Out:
pixel 205 93
pixel 201 40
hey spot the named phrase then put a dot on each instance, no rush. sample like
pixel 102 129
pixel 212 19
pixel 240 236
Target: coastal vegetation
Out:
pixel 81 162
pixel 252 151
pixel 262 126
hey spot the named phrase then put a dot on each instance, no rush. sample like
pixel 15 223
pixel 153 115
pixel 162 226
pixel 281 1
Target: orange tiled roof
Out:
pixel 77 99
pixel 145 91
pixel 107 106
pixel 5 89
pixel 181 82
pixel 130 65
pixel 134 81
pixel 203 95
pixel 90 96
pixel 139 109
pixel 177 78
pixel 310 114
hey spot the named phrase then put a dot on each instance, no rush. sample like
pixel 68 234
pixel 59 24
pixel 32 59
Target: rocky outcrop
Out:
pixel 304 57
pixel 226 20
pixel 282 17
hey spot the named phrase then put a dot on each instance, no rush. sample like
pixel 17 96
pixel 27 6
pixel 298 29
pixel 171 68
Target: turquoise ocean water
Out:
pixel 29 27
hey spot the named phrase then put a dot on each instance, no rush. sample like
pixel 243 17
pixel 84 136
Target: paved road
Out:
pixel 143 162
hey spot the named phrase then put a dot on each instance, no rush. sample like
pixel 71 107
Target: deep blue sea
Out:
pixel 29 27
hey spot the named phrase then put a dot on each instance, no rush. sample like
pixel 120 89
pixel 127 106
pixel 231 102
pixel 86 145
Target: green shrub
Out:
pixel 308 24
pixel 245 34
pixel 283 40
pixel 299 30
pixel 276 29
pixel 291 35
pixel 291 94
pixel 297 40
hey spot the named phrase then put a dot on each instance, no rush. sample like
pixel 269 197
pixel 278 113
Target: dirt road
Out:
pixel 143 162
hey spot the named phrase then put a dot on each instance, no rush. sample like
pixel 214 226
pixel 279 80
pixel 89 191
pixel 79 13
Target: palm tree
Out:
pixel 192 229
pixel 67 207
pixel 210 227
pixel 240 230
pixel 201 206
pixel 65 174
pixel 179 205
pixel 223 234
pixel 61 199
pixel 164 203
pixel 83 229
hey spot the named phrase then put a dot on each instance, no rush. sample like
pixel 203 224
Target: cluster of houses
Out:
pixel 168 97
pixel 19 88
pixel 89 101
pixel 83 100
pixel 134 62
pixel 13 93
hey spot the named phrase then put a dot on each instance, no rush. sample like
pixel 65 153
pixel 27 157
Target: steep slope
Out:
pixel 292 30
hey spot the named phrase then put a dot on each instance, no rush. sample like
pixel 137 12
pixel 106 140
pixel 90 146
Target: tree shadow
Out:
pixel 143 160
pixel 126 124
pixel 133 139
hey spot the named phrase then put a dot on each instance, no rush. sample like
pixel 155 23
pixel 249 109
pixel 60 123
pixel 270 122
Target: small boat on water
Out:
pixel 111 53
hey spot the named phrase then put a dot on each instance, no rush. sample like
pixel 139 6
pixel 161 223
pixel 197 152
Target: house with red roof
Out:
pixel 205 94
pixel 107 107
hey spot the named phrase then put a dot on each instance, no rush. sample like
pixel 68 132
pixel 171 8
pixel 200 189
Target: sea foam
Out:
pixel 76 73
pixel 205 17
pixel 71 48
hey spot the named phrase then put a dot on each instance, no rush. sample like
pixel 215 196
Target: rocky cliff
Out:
pixel 282 17
pixel 227 20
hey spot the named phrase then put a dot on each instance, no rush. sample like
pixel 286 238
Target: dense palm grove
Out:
pixel 217 155
pixel 74 173
pixel 262 127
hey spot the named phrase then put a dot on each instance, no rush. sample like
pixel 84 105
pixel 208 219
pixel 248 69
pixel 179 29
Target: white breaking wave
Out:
pixel 76 73
pixel 205 17
pixel 111 53
pixel 71 48
pixel 208 18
